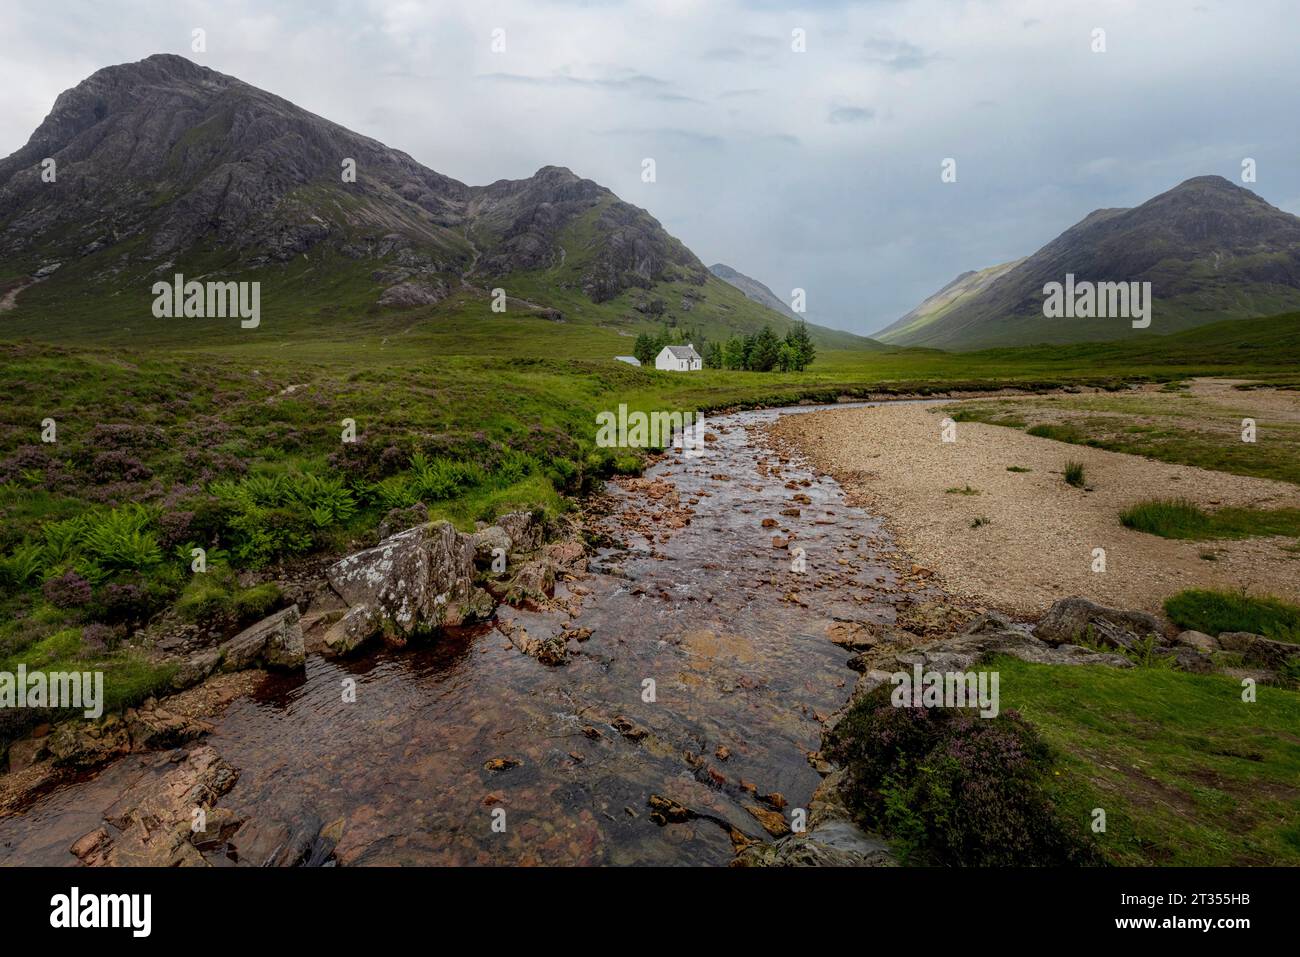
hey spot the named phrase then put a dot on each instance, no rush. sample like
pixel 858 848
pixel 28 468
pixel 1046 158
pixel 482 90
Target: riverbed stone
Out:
pixel 154 817
pixel 274 642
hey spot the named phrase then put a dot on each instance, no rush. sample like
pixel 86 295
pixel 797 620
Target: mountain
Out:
pixel 1210 249
pixel 164 167
pixel 753 289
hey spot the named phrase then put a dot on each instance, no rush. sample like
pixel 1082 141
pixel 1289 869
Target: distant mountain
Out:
pixel 1210 249
pixel 753 289
pixel 164 166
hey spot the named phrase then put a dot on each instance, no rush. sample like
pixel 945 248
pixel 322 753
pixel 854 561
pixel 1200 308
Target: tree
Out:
pixel 787 358
pixel 766 352
pixel 645 348
pixel 734 353
pixel 802 345
pixel 714 357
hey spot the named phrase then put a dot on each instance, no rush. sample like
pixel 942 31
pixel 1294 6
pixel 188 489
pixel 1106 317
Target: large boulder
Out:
pixel 412 582
pixel 1080 621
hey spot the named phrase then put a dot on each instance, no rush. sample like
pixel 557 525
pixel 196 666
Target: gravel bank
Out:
pixel 1039 540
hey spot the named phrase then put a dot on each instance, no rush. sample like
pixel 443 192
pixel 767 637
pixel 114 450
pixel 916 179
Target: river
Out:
pixel 730 631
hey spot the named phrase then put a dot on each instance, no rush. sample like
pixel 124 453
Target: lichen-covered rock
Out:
pixel 415 581
pixel 533 581
pixel 82 744
pixel 1198 640
pixel 489 543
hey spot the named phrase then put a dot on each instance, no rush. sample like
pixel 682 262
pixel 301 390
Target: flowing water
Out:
pixel 730 631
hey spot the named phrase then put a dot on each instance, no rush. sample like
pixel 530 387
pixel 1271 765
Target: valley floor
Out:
pixel 1036 541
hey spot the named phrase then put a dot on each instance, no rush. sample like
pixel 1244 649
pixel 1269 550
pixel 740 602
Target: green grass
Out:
pixel 129 675
pixel 1187 773
pixel 1214 612
pixel 1179 518
pixel 1074 474
pixel 961 490
pixel 1018 468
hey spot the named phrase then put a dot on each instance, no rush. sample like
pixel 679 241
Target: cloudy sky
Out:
pixel 817 169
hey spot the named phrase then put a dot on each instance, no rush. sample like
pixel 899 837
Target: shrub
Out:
pixel 953 788
pixel 68 590
pixel 126 603
pixel 97 638
pixel 117 466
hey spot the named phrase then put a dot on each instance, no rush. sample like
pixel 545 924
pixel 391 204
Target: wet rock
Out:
pixel 831 840
pixel 773 822
pixel 1078 620
pixel 1260 650
pixel 533 581
pixel 155 816
pixel 296 840
pixel 412 582
pixel 152 728
pixel 25 753
pixel 353 629
pixel 552 651
pixel 629 728
pixel 274 642
pixel 667 811
pixel 569 555
pixel 854 635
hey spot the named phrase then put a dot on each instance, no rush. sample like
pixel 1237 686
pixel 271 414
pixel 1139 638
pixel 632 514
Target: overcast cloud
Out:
pixel 818 169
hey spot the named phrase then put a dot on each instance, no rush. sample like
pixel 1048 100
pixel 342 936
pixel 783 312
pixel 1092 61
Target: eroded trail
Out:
pixel 697 597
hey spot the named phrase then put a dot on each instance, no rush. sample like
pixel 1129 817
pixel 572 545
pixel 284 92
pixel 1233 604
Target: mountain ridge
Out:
pixel 1211 249
pixel 165 165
